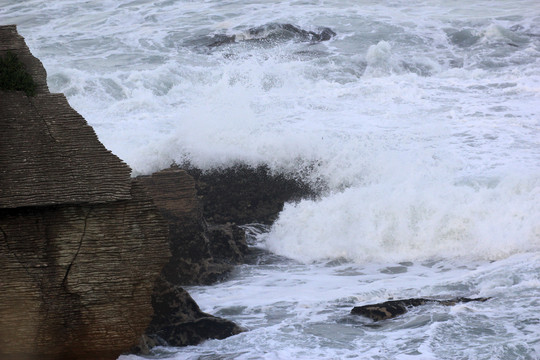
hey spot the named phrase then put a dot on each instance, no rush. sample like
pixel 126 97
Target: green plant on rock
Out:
pixel 13 75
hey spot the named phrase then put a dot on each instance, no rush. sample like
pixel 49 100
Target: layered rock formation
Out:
pixel 83 248
pixel 81 244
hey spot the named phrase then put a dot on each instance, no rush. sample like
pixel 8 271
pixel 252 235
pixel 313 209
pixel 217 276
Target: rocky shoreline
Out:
pixel 93 260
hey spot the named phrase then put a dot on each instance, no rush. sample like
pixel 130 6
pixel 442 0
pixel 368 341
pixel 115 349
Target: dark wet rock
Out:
pixel 393 308
pixel 242 194
pixel 178 320
pixel 274 33
pixel 201 253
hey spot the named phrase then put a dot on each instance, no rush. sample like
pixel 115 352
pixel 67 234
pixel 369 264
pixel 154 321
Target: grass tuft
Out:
pixel 13 75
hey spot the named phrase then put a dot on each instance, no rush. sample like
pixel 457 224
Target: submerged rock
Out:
pixel 274 32
pixel 393 308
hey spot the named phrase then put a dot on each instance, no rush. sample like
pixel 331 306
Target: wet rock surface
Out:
pixel 242 194
pixel 274 33
pixel 201 253
pixel 178 320
pixel 393 308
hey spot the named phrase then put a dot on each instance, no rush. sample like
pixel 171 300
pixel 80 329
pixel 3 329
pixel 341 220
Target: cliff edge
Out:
pixel 81 243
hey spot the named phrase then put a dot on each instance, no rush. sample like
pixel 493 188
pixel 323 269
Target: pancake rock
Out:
pixel 393 308
pixel 81 243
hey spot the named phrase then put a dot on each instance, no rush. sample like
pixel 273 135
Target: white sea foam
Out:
pixel 412 220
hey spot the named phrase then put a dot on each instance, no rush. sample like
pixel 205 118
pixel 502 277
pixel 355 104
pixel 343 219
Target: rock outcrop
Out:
pixel 49 154
pixel 393 308
pixel 83 248
pixel 178 321
pixel 242 194
pixel 201 253
pixel 81 244
pixel 274 33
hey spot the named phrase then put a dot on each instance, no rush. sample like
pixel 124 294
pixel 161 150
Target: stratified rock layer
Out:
pixel 77 280
pixel 81 244
pixel 49 154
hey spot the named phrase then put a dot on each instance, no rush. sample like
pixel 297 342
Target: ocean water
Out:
pixel 419 121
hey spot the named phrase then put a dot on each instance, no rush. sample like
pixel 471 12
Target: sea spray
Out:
pixel 403 221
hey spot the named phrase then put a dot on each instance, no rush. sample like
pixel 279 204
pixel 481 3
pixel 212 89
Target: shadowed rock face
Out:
pixel 201 253
pixel 391 309
pixel 274 33
pixel 243 194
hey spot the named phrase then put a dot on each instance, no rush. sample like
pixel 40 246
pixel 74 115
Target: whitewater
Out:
pixel 418 122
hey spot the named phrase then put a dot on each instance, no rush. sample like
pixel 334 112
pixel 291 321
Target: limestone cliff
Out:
pixel 81 244
pixel 48 153
pixel 84 251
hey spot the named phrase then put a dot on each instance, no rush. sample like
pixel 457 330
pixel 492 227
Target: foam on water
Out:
pixel 301 311
pixel 411 220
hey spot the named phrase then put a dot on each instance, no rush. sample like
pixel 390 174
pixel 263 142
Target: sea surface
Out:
pixel 418 120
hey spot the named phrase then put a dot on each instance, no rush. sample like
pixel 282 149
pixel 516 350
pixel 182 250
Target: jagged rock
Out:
pixel 241 194
pixel 393 308
pixel 10 40
pixel 201 254
pixel 227 243
pixel 178 320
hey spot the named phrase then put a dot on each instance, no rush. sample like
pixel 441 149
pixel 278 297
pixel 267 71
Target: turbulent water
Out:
pixel 419 120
